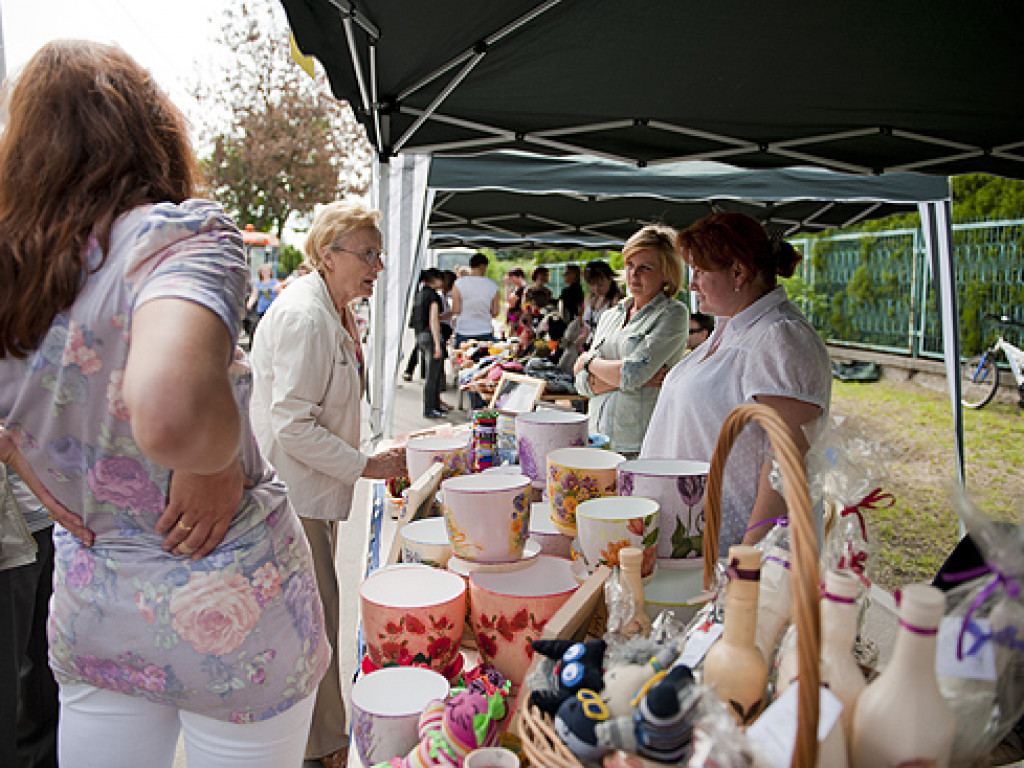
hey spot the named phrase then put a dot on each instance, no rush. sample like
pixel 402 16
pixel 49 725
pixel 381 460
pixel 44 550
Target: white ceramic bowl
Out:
pixel 540 432
pixel 488 516
pixel 678 487
pixel 385 725
pixel 452 452
pixel 676 589
pixel 609 524
pixel 426 541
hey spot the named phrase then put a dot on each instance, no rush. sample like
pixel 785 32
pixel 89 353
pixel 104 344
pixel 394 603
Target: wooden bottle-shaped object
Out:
pixel 840 614
pixel 734 667
pixel 773 602
pixel 630 564
pixel 901 718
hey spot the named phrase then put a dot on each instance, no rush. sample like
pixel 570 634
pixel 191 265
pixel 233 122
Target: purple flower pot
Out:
pixel 541 432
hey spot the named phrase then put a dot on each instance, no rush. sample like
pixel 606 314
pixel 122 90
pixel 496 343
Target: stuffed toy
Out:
pixel 624 681
pixel 576 724
pixel 571 666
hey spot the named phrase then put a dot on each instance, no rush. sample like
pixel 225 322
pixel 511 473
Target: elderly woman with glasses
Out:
pixel 636 341
pixel 308 380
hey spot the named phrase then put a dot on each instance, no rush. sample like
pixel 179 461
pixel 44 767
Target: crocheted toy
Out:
pixel 624 681
pixel 575 666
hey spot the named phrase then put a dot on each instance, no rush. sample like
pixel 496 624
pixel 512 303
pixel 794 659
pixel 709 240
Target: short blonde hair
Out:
pixel 662 240
pixel 335 220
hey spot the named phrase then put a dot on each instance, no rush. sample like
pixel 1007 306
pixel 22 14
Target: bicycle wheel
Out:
pixel 979 380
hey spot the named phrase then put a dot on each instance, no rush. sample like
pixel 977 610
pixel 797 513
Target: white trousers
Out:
pixel 104 729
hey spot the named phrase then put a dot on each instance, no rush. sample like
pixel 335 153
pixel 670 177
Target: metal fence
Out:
pixel 874 289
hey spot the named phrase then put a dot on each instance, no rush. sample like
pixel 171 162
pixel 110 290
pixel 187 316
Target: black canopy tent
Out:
pixel 871 88
pixel 505 199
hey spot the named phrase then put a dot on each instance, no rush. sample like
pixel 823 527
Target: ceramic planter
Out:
pixel 576 475
pixel 385 725
pixel 488 516
pixel 678 487
pixel 413 614
pixel 451 452
pixel 511 608
pixel 676 589
pixel 609 524
pixel 540 432
pixel 552 541
pixel 426 541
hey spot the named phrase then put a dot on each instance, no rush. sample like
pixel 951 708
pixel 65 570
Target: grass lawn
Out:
pixel 915 535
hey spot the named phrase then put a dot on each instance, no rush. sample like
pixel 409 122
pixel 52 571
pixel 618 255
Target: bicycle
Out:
pixel 979 376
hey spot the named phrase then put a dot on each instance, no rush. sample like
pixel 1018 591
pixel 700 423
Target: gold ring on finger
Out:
pixel 184 548
pixel 185 528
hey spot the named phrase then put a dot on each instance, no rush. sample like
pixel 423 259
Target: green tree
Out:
pixel 285 144
pixel 291 257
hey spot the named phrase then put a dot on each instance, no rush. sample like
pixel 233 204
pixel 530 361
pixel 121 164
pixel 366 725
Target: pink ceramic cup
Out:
pixel 576 475
pixel 413 614
pixel 540 432
pixel 678 487
pixel 488 516
pixel 511 608
pixel 385 725
pixel 452 452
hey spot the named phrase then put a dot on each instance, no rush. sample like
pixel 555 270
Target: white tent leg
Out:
pixel 938 238
pixel 378 319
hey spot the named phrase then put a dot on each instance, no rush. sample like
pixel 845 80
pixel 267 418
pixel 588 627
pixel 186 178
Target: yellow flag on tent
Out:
pixel 304 61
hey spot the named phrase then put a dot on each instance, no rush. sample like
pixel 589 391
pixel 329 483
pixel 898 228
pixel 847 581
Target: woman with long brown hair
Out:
pixel 184 596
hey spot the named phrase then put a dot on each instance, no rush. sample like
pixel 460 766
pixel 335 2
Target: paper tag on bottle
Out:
pixel 775 730
pixel 979 661
pixel 698 644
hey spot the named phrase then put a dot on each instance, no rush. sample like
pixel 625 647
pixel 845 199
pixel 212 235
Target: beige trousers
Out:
pixel 328 731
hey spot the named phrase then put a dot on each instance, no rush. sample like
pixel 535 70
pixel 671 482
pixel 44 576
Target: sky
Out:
pixel 174 40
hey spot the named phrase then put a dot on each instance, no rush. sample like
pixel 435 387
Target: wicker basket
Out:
pixel 541 744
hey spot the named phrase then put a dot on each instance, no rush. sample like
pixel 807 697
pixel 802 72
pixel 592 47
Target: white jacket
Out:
pixel 305 407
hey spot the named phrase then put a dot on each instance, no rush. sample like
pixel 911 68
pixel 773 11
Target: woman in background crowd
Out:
pixel 701 328
pixel 262 295
pixel 604 293
pixel 308 382
pixel 475 302
pixel 183 592
pixel 571 297
pixel 763 350
pixel 636 341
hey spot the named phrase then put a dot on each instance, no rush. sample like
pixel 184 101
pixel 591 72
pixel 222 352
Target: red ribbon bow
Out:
pixel 874 500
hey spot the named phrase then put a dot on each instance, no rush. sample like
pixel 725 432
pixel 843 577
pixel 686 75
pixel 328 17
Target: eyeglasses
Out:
pixel 367 257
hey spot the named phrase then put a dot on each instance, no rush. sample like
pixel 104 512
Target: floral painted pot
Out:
pixel 426 541
pixel 385 725
pixel 552 541
pixel 453 453
pixel 487 515
pixel 413 614
pixel 511 608
pixel 576 475
pixel 678 487
pixel 540 432
pixel 608 525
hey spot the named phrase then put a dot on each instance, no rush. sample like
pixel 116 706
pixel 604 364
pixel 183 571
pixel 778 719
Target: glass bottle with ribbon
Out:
pixel 734 667
pixel 901 718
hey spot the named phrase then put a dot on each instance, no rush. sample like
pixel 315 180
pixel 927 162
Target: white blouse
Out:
pixel 767 349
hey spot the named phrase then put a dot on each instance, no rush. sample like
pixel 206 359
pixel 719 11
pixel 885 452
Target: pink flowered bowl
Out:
pixel 413 614
pixel 511 608
pixel 488 516
pixel 451 452
pixel 576 475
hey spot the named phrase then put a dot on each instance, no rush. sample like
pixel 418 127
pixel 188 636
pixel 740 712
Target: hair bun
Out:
pixel 785 256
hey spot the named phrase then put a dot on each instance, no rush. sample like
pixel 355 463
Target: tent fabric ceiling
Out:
pixel 865 87
pixel 490 199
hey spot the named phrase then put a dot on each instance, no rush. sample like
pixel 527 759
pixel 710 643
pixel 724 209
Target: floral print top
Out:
pixel 237 635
